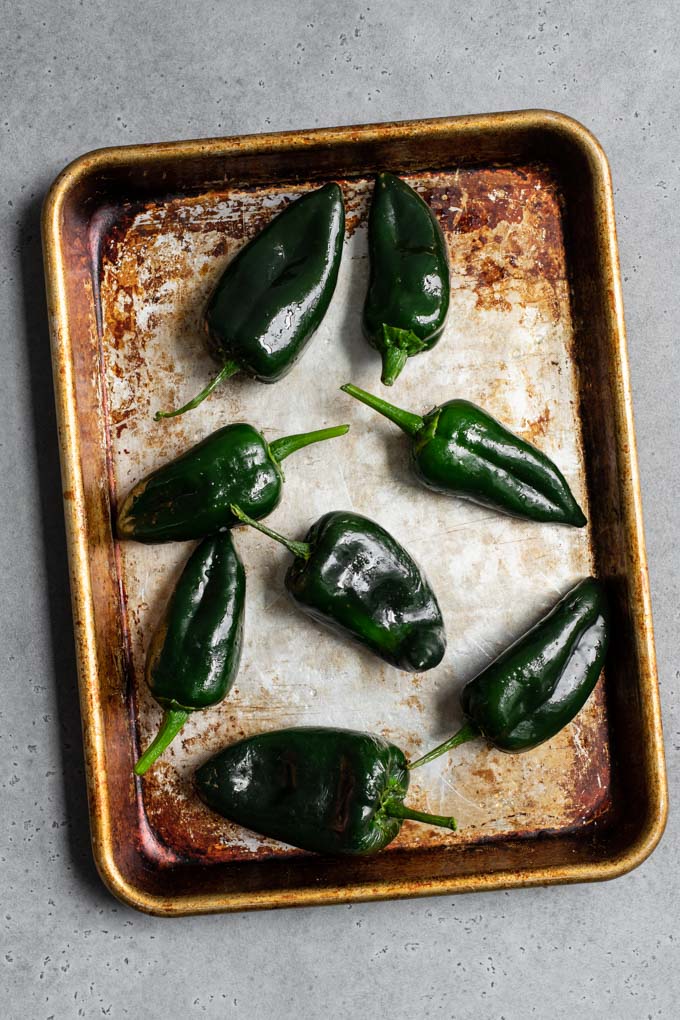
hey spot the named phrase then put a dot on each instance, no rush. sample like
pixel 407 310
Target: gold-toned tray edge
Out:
pixel 76 521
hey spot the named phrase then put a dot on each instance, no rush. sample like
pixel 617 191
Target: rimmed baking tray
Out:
pixel 134 237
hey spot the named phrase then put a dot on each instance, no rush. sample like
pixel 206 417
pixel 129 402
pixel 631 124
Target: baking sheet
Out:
pixel 508 347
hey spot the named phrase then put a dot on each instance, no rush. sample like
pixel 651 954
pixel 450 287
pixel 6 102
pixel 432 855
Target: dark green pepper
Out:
pixel 458 448
pixel 190 497
pixel 274 293
pixel 352 576
pixel 538 684
pixel 341 792
pixel 327 790
pixel 195 652
pixel 409 288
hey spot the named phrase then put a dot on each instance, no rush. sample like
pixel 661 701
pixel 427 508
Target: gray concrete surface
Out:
pixel 74 76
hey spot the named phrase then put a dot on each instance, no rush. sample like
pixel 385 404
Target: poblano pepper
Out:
pixel 190 496
pixel 195 652
pixel 458 448
pixel 409 288
pixel 353 576
pixel 331 791
pixel 341 792
pixel 538 684
pixel 274 293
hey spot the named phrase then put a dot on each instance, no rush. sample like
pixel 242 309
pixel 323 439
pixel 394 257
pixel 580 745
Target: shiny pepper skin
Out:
pixel 194 655
pixel 409 288
pixel 537 685
pixel 190 496
pixel 459 449
pixel 273 295
pixel 330 791
pixel 354 577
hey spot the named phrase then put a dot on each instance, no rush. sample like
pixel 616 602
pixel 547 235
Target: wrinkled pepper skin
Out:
pixel 194 654
pixel 537 686
pixel 409 288
pixel 330 791
pixel 459 449
pixel 272 296
pixel 275 292
pixel 354 577
pixel 190 496
pixel 359 580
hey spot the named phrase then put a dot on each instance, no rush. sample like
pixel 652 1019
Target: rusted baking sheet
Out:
pixel 134 241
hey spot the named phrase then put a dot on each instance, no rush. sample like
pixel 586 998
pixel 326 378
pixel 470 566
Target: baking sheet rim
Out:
pixel 76 521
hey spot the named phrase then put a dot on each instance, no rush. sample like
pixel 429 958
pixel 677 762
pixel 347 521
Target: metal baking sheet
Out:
pixel 512 345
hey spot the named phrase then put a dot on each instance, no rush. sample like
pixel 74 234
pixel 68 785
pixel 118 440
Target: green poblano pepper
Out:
pixel 342 792
pixel 409 288
pixel 538 684
pixel 191 496
pixel 331 791
pixel 354 577
pixel 458 448
pixel 274 293
pixel 195 652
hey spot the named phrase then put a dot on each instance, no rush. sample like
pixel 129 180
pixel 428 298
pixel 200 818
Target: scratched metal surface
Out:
pixel 507 346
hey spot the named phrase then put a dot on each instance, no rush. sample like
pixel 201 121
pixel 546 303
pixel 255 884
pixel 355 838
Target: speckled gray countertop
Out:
pixel 74 76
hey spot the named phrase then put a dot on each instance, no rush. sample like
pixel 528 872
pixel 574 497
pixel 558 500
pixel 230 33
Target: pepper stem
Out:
pixel 398 810
pixel 467 732
pixel 302 549
pixel 282 448
pixel 409 423
pixel 394 360
pixel 228 369
pixel 173 721
pixel 399 346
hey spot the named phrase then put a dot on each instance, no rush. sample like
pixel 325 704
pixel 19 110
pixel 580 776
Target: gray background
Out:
pixel 74 76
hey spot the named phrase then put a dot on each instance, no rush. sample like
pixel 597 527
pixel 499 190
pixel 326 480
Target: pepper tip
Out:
pixel 573 516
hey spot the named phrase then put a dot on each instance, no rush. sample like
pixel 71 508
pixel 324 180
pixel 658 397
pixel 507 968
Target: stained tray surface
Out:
pixel 508 346
pixel 134 239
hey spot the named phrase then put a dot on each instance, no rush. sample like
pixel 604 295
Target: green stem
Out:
pixel 409 423
pixel 282 448
pixel 398 345
pixel 394 359
pixel 398 810
pixel 173 721
pixel 229 368
pixel 302 549
pixel 467 732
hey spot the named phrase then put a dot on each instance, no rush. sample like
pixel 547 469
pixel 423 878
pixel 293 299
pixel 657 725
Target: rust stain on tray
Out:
pixel 508 347
pixel 505 236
